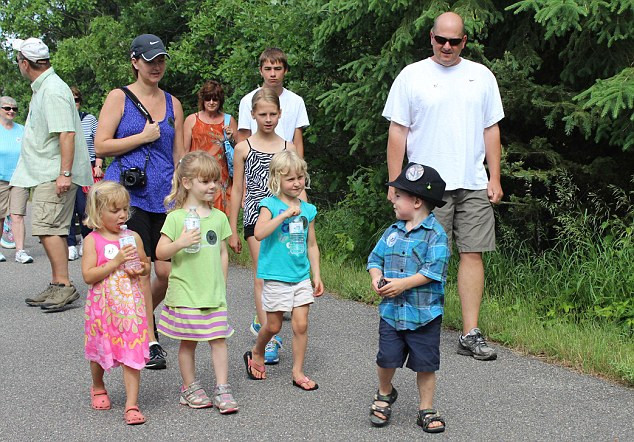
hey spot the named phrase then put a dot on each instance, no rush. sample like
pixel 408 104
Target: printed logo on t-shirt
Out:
pixel 18 139
pixel 110 251
pixel 212 237
pixel 391 240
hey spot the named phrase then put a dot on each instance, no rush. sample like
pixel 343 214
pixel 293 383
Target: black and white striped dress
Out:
pixel 256 172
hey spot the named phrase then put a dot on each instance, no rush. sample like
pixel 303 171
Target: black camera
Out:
pixel 133 177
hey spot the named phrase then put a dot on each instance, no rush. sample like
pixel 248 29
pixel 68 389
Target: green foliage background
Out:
pixel 565 70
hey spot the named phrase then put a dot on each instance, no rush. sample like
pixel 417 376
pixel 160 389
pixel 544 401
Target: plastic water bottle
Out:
pixel 126 238
pixel 192 222
pixel 296 233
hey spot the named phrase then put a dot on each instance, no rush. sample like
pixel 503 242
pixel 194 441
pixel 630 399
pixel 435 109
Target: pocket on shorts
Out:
pixel 49 212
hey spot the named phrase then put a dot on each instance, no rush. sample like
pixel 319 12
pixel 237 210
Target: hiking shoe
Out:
pixel 22 257
pixel 157 358
pixel 73 254
pixel 7 241
pixel 255 326
pixel 223 399
pixel 272 351
pixel 473 344
pixel 43 295
pixel 60 298
pixel 2 258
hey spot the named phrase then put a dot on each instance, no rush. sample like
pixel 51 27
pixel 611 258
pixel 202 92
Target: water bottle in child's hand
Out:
pixel 296 232
pixel 192 222
pixel 126 238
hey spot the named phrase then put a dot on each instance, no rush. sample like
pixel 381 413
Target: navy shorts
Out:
pixel 148 225
pixel 420 347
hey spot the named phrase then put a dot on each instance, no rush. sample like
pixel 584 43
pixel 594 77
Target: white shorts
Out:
pixel 278 296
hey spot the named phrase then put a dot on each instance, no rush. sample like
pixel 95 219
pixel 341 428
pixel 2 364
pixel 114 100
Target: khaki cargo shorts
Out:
pixel 52 213
pixel 468 218
pixel 12 199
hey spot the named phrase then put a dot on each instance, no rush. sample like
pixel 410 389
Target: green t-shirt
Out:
pixel 196 279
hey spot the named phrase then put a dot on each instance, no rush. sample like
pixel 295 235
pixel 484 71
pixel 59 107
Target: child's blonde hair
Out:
pixel 267 95
pixel 282 164
pixel 104 195
pixel 198 164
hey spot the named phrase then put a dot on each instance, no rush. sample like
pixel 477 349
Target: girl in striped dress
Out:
pixel 196 300
pixel 251 167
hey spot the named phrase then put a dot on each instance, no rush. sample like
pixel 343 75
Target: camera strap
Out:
pixel 143 111
pixel 137 103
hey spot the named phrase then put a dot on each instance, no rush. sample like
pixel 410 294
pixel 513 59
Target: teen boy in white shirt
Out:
pixel 294 118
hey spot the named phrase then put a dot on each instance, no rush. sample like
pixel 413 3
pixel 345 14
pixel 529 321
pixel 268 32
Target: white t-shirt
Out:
pixel 294 114
pixel 446 110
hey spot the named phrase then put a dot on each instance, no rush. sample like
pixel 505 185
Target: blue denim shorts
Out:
pixel 420 347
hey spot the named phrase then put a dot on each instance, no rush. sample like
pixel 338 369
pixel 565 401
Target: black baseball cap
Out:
pixel 148 46
pixel 422 181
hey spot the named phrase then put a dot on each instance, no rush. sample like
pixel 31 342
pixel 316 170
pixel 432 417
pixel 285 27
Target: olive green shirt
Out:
pixel 51 111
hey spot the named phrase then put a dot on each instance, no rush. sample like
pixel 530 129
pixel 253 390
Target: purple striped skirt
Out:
pixel 194 324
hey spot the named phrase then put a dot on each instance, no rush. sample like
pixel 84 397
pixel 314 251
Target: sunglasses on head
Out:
pixel 10 108
pixel 452 41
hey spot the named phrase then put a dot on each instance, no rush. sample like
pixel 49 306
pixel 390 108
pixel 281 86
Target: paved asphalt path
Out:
pixel 45 382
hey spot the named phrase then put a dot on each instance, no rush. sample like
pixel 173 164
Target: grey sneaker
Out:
pixel 37 301
pixel 22 257
pixel 473 344
pixel 60 299
pixel 223 399
pixel 2 258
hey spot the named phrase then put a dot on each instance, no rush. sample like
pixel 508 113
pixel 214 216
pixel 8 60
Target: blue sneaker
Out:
pixel 272 351
pixel 255 326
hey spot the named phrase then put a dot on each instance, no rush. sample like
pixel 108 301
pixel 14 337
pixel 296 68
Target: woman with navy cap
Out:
pixel 145 148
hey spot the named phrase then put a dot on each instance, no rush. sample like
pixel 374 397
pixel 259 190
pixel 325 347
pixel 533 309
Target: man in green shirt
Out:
pixel 53 161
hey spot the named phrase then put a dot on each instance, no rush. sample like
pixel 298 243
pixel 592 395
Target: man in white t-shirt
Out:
pixel 444 110
pixel 273 68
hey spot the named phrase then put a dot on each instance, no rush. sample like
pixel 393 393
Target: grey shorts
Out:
pixel 468 218
pixel 52 213
pixel 12 199
pixel 278 296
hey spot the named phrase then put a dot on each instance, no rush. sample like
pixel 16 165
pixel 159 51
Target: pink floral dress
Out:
pixel 116 322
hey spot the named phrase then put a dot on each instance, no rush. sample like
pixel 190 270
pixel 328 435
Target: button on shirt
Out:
pixel 51 111
pixel 400 254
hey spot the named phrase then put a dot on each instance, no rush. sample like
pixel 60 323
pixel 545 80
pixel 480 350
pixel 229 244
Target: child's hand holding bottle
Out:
pixel 188 238
pixel 291 211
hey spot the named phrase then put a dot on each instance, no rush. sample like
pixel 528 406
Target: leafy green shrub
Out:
pixel 349 230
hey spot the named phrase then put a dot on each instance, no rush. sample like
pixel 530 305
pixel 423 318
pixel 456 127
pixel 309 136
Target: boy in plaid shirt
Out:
pixel 408 267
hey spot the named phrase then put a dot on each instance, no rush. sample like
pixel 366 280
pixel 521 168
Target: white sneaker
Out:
pixel 2 258
pixel 22 257
pixel 72 253
pixel 81 249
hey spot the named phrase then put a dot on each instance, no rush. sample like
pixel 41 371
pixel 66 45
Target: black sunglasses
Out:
pixel 452 41
pixel 210 97
pixel 9 108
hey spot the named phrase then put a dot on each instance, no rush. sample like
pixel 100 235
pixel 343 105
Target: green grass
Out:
pixel 592 347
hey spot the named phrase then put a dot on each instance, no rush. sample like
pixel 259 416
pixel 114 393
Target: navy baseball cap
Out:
pixel 148 46
pixel 422 181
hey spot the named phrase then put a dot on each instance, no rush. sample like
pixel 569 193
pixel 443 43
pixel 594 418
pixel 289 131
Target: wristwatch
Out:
pixel 66 173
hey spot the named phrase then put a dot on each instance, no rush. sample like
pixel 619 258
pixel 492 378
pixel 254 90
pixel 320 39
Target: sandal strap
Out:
pixel 385 411
pixel 389 398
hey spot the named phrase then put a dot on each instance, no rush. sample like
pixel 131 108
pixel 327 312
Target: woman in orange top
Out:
pixel 204 131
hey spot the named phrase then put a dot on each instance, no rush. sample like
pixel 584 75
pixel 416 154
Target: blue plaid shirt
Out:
pixel 400 254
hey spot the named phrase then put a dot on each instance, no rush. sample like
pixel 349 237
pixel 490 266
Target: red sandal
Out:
pixel 133 416
pixel 99 399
